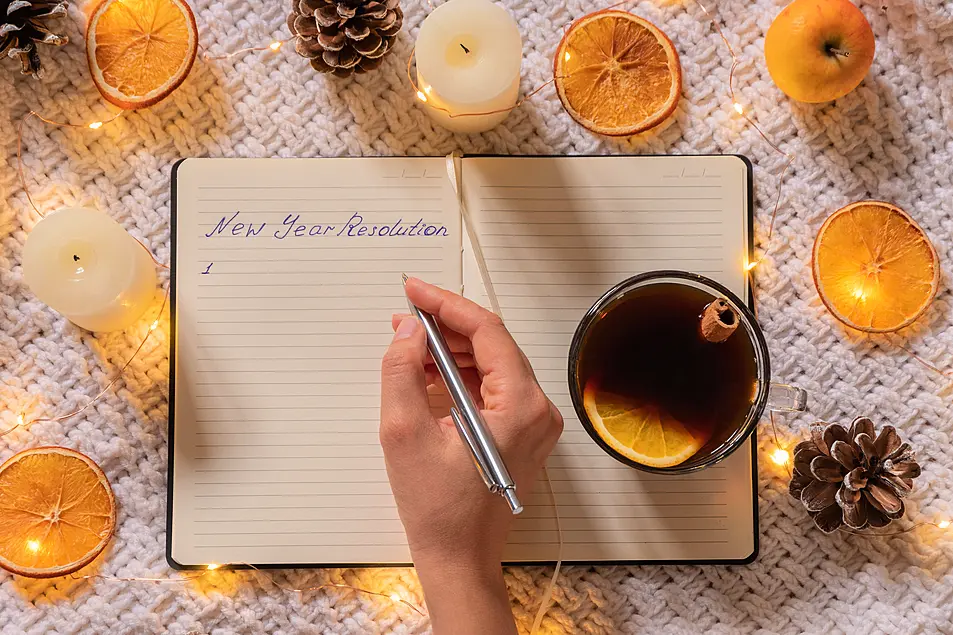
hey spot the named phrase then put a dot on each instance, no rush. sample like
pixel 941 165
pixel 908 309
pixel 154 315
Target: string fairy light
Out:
pixel 781 456
pixel 22 422
pixel 945 373
pixel 943 525
pixel 422 95
pixel 740 109
pixel 96 125
pixel 274 46
pixel 393 597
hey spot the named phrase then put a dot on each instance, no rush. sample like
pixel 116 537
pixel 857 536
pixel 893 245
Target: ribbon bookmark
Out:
pixel 455 174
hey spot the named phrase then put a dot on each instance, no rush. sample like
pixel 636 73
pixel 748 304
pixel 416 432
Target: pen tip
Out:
pixel 403 277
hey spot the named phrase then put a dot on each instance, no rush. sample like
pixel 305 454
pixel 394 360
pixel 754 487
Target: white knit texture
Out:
pixel 889 139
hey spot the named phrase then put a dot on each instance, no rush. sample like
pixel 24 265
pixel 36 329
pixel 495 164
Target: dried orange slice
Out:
pixel 644 434
pixel 57 512
pixel 874 268
pixel 617 74
pixel 139 51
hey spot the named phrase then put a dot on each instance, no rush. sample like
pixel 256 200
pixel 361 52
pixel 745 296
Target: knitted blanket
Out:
pixel 889 139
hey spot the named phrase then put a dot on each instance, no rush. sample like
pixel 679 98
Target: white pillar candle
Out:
pixel 84 265
pixel 469 54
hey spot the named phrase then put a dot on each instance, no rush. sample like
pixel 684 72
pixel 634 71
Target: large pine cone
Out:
pixel 853 477
pixel 23 23
pixel 344 36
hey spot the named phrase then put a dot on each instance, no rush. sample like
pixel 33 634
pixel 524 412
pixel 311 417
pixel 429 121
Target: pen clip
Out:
pixel 478 459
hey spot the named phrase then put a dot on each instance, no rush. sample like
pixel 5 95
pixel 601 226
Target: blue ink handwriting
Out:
pixel 294 227
pixel 237 228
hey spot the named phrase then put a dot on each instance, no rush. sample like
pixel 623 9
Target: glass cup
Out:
pixel 776 397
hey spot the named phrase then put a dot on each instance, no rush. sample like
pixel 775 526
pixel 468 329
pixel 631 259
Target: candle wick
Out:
pixel 465 49
pixel 75 258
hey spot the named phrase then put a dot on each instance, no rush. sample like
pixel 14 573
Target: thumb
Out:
pixel 405 407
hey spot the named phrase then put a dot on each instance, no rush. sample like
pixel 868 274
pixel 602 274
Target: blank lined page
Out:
pixel 559 232
pixel 286 275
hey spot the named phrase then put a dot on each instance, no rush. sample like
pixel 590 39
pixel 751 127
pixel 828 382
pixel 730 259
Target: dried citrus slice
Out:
pixel 874 268
pixel 617 74
pixel 644 434
pixel 139 51
pixel 57 512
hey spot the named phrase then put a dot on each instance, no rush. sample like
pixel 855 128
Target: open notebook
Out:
pixel 286 273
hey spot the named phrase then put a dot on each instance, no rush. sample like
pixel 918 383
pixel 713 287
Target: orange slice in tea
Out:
pixel 644 434
pixel 57 512
pixel 874 268
pixel 617 74
pixel 139 51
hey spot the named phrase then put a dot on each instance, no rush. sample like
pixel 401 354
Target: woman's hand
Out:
pixel 455 527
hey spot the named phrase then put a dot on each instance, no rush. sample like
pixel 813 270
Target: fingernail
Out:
pixel 406 328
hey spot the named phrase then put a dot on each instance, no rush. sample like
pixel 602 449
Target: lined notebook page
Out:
pixel 557 233
pixel 286 275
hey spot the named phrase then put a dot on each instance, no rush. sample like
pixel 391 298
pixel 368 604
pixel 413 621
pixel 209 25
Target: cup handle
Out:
pixel 784 398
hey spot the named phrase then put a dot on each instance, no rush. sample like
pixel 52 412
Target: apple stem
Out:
pixel 837 51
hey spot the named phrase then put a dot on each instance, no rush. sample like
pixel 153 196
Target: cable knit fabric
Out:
pixel 889 139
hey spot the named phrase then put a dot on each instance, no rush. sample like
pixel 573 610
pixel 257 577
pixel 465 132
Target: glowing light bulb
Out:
pixel 943 524
pixel 781 457
pixel 394 597
pixel 274 46
pixel 739 108
pixel 421 97
pixel 213 567
pixel 33 545
pixel 96 125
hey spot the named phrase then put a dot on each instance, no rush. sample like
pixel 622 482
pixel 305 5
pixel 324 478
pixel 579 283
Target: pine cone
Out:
pixel 23 23
pixel 853 477
pixel 344 36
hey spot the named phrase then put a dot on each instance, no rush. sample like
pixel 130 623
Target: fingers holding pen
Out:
pixel 459 345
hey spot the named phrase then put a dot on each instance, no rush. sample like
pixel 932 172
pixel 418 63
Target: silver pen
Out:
pixel 466 416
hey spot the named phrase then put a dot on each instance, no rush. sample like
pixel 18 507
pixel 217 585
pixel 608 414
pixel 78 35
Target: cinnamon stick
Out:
pixel 718 321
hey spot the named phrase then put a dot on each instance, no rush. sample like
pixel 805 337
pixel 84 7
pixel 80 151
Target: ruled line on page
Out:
pixel 599 223
pixel 318 187
pixel 265 248
pixel 601 198
pixel 588 212
pixel 641 235
pixel 600 186
pixel 621 542
pixel 338 199
pixel 300 260
pixel 362 515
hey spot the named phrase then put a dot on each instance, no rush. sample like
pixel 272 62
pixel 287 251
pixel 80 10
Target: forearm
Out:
pixel 466 600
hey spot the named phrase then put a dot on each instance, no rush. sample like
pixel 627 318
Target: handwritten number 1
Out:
pixel 207 269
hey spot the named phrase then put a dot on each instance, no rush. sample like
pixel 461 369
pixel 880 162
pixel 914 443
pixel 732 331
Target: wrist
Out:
pixel 465 598
pixel 464 565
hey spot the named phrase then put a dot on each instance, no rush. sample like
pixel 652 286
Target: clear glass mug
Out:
pixel 776 397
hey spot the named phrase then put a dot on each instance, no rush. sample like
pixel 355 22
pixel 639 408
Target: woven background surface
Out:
pixel 889 139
